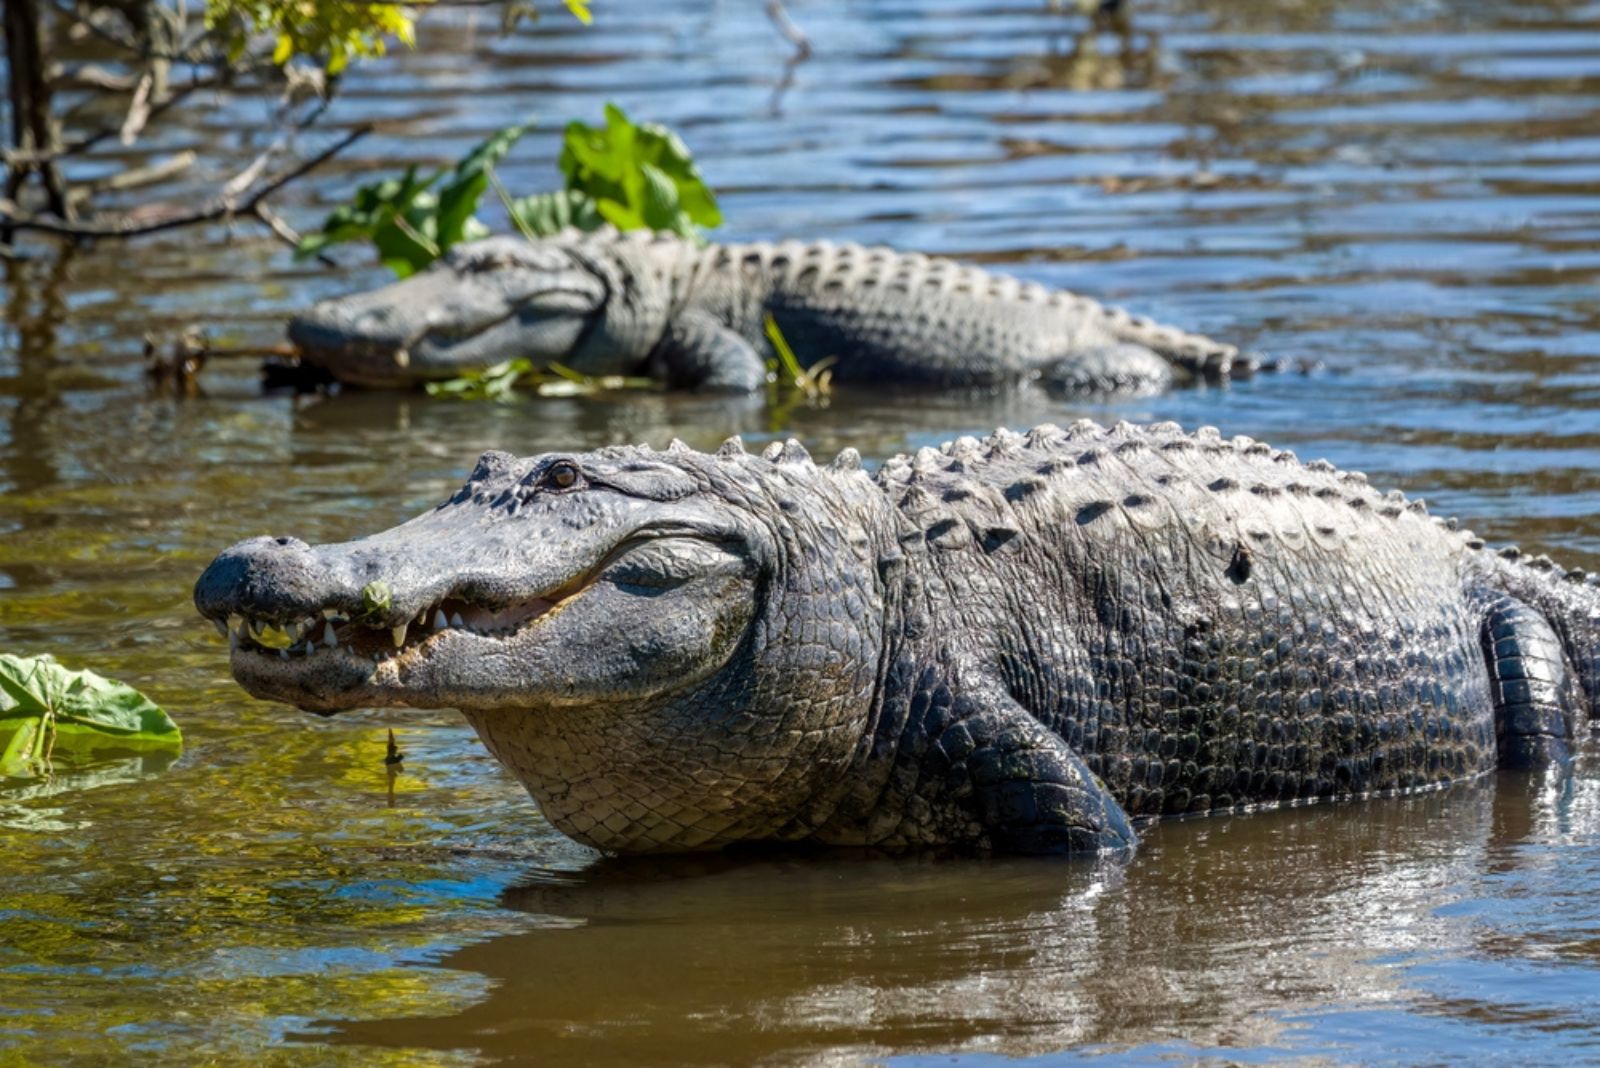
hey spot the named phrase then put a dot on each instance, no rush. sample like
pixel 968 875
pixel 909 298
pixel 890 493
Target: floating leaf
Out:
pixel 47 708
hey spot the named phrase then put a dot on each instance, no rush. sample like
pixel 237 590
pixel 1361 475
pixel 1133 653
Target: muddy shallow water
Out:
pixel 1409 194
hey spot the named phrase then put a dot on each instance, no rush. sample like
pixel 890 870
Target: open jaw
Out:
pixel 348 635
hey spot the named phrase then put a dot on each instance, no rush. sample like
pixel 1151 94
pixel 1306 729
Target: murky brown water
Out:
pixel 1408 193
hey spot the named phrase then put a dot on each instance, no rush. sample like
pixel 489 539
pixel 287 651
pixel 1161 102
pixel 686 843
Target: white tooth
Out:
pixel 398 634
pixel 235 621
pixel 295 632
pixel 455 620
pixel 283 654
pixel 439 622
pixel 233 641
pixel 329 638
pixel 222 628
pixel 310 648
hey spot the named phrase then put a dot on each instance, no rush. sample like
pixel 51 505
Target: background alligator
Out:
pixel 693 317
pixel 1025 643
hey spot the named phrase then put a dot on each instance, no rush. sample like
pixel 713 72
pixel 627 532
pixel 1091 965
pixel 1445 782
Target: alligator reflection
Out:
pixel 1218 930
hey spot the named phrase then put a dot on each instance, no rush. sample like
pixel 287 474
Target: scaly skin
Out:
pixel 1027 643
pixel 693 317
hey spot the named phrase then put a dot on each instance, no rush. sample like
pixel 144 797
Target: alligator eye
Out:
pixel 561 476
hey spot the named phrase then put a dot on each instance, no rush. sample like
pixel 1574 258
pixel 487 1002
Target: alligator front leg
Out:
pixel 699 352
pixel 1028 790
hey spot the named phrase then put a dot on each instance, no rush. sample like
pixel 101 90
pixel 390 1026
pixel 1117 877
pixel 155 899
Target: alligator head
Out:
pixel 481 303
pixel 671 650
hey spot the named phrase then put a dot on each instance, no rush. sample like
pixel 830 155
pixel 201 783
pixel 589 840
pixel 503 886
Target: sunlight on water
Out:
pixel 1405 194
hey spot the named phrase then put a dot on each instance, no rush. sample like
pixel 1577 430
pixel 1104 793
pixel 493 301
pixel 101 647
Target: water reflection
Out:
pixel 1205 935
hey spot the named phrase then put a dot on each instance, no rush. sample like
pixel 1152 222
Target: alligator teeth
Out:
pixel 295 631
pixel 439 622
pixel 455 620
pixel 233 641
pixel 398 634
pixel 329 638
pixel 310 648
pixel 283 654
pixel 271 635
pixel 222 628
pixel 235 622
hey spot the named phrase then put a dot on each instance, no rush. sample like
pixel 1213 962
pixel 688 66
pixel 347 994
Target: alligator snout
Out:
pixel 333 326
pixel 270 578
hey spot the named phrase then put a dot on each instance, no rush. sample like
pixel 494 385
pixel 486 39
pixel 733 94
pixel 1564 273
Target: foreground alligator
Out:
pixel 1026 643
pixel 694 317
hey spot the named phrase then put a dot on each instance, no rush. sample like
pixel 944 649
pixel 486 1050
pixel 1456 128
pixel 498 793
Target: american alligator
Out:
pixel 693 317
pixel 1030 642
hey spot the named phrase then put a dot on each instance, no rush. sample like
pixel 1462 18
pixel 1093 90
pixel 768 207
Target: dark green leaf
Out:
pixel 458 199
pixel 638 176
pixel 40 700
pixel 372 209
pixel 668 152
pixel 659 200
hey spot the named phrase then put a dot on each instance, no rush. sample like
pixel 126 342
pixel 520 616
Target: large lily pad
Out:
pixel 47 709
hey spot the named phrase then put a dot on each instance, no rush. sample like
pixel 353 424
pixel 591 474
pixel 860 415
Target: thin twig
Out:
pixel 134 177
pixel 220 207
pixel 138 110
pixel 286 233
pixel 788 30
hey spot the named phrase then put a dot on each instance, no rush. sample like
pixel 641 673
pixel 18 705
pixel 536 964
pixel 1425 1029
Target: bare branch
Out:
pixel 218 208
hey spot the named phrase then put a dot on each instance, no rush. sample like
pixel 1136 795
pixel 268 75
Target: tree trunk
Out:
pixel 33 128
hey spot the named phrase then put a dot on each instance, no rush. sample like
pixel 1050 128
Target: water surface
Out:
pixel 1408 194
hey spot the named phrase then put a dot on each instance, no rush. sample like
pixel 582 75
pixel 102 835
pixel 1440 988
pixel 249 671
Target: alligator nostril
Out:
pixel 291 543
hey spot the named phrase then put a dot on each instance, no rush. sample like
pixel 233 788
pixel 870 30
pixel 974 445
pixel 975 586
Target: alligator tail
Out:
pixel 1195 354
